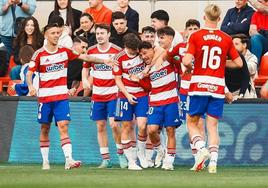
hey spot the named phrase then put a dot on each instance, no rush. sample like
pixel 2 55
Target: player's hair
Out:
pixel 244 38
pixel 145 45
pixel 103 26
pixel 49 26
pixel 166 31
pixel 161 15
pixel 118 15
pixel 25 54
pixel 57 19
pixel 212 12
pixel 80 39
pixel 148 29
pixel 192 22
pixel 131 41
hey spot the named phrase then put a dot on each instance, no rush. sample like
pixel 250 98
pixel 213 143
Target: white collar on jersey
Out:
pixel 106 50
pixel 50 51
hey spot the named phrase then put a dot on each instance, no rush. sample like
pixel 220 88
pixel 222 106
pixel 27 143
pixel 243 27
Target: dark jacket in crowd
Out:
pixel 236 22
pixel 238 78
pixel 118 38
pixel 132 19
pixel 91 37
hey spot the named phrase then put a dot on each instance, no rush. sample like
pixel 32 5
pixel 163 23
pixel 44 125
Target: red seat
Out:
pixel 5 79
pixel 263 72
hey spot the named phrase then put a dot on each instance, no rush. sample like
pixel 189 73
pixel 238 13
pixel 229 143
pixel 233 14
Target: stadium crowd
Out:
pixel 104 54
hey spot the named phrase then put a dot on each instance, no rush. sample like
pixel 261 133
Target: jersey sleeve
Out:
pixel 35 62
pixel 191 47
pixel 72 55
pixel 145 84
pixel 117 70
pixel 233 53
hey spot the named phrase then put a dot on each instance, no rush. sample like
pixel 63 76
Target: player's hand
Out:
pixel 32 91
pixel 229 97
pixel 134 78
pixel 132 99
pixel 72 91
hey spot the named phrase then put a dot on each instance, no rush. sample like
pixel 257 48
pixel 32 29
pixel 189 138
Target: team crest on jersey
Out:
pixel 116 68
pixel 209 87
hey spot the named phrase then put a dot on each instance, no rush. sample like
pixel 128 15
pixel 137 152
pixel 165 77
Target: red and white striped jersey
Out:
pixel 210 49
pixel 52 68
pixel 163 85
pixel 129 65
pixel 180 51
pixel 104 87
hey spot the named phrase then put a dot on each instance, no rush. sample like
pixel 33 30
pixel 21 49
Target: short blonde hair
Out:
pixel 212 12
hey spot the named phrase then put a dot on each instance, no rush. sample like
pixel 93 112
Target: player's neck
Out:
pixel 51 48
pixel 211 25
pixel 104 47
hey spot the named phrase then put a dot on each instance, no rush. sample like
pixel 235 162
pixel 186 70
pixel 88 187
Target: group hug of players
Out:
pixel 140 87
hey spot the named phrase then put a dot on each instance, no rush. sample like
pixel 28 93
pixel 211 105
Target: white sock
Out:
pixel 127 147
pixel 104 151
pixel 194 151
pixel 141 146
pixel 44 153
pixel 67 150
pixel 214 152
pixel 149 153
pixel 170 156
pixel 198 142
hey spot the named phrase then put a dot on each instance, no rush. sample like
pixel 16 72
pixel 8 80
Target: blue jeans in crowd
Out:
pixel 259 45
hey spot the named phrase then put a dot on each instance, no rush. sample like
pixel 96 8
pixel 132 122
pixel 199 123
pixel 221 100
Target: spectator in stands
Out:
pixel 29 34
pixel 75 67
pixel 241 42
pixel 262 7
pixel 119 23
pixel 132 15
pixel 259 32
pixel 11 12
pixel 3 56
pixel 70 15
pixel 148 34
pixel 86 29
pixel 160 19
pixel 99 12
pixel 65 39
pixel 25 55
pixel 237 19
pixel 237 80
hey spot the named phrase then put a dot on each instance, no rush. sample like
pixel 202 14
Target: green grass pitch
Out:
pixel 31 176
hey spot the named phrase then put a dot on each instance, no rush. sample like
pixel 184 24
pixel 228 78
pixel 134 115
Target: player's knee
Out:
pixel 152 130
pixel 171 131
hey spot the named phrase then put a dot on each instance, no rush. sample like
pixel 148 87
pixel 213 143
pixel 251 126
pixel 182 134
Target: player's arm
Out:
pixel 85 73
pixel 187 61
pixel 29 80
pixel 236 63
pixel 96 60
pixel 122 88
